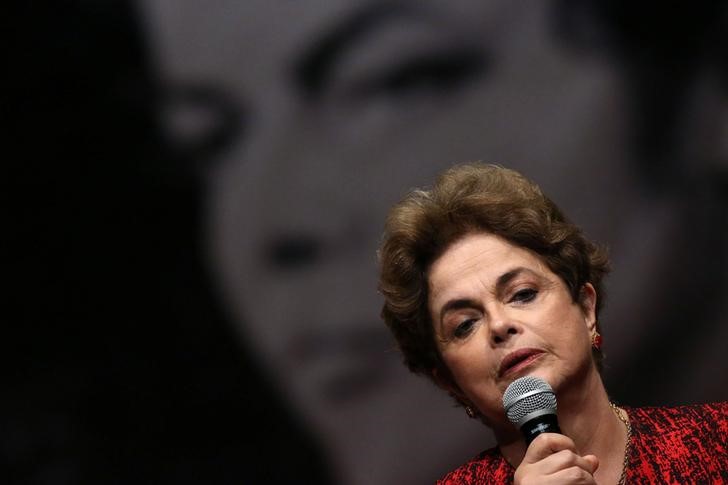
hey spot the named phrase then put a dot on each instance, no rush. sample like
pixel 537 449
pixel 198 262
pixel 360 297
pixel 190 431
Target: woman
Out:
pixel 295 205
pixel 486 281
pixel 296 208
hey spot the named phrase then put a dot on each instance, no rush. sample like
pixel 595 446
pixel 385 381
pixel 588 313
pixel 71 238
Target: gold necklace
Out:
pixel 621 414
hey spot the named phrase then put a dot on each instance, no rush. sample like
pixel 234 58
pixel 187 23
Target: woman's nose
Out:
pixel 502 327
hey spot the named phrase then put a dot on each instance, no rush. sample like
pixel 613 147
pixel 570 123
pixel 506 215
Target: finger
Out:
pixel 593 461
pixel 547 444
pixel 563 460
pixel 572 476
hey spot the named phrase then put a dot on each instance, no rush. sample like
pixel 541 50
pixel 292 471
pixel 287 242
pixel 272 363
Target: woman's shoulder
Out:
pixel 670 444
pixel 487 467
pixel 666 418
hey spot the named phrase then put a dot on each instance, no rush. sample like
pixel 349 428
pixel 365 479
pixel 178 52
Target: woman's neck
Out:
pixel 586 416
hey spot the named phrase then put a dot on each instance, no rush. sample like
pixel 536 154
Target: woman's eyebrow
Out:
pixel 457 304
pixel 313 71
pixel 504 279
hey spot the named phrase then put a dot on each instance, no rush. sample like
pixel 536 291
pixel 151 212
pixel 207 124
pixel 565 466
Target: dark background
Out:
pixel 123 364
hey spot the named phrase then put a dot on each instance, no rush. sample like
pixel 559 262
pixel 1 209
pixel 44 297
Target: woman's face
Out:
pixel 500 313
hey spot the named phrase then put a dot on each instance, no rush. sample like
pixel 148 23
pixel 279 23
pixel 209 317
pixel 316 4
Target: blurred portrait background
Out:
pixel 198 189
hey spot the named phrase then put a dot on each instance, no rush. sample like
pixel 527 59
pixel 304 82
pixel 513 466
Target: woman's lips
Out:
pixel 517 360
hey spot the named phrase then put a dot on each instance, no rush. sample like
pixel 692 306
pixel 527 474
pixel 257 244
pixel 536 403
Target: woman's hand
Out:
pixel 552 458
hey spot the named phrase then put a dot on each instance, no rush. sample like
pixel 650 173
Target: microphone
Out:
pixel 530 405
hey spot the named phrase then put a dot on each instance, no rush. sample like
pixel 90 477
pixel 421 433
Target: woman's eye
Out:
pixel 524 296
pixel 464 328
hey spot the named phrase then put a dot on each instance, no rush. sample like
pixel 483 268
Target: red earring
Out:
pixel 597 341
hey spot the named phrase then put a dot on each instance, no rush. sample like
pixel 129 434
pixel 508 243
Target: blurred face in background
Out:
pixel 351 104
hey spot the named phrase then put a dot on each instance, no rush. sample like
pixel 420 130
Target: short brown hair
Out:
pixel 466 199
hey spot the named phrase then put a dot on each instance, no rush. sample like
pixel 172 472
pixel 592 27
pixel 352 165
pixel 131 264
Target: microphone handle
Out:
pixel 545 423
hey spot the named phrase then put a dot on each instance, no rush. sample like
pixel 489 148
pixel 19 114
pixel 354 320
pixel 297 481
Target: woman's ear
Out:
pixel 444 380
pixel 588 302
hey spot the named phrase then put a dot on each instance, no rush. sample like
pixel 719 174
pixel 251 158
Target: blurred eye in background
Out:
pixel 291 252
pixel 391 55
pixel 198 122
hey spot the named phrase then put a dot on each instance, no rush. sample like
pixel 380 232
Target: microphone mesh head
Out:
pixel 526 395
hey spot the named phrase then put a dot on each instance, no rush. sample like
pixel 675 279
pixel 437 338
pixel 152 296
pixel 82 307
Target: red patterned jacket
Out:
pixel 684 444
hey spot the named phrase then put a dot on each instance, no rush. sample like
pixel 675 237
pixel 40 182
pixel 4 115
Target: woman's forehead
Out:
pixel 481 258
